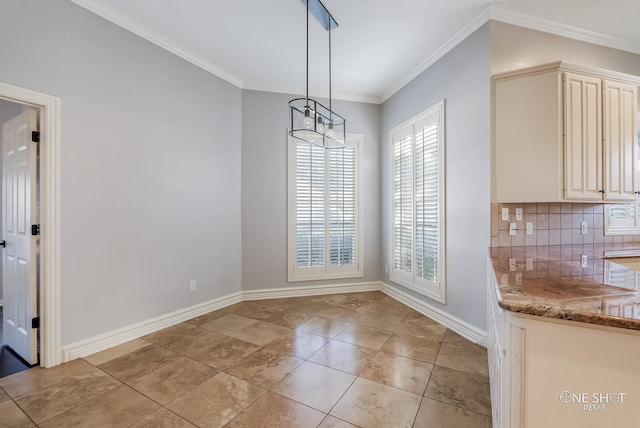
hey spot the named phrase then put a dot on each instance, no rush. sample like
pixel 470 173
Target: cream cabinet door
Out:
pixel 619 142
pixel 583 138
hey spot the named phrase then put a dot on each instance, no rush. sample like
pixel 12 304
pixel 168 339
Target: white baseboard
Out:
pixel 459 326
pixel 90 346
pixel 309 290
pixel 107 340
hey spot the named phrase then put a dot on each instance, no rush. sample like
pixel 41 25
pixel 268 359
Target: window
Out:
pixel 621 219
pixel 624 219
pixel 418 204
pixel 324 211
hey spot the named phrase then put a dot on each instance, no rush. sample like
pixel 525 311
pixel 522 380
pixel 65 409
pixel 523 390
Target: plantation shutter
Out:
pixel 403 201
pixel 624 215
pixel 324 217
pixel 342 205
pixel 427 198
pixel 418 209
pixel 310 205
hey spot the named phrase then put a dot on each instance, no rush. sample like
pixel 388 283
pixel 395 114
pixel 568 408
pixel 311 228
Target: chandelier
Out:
pixel 311 121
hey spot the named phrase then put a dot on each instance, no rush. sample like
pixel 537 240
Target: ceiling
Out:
pixel 379 46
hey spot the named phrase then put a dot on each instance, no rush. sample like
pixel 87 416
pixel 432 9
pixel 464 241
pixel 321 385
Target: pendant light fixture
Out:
pixel 311 121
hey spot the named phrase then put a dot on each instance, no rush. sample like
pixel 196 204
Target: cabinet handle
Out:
pixel 637 192
pixel 601 191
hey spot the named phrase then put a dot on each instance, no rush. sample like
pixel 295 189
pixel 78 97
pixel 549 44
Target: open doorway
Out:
pixel 48 276
pixel 19 219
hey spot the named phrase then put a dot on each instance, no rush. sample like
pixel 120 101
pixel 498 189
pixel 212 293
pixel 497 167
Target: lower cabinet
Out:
pixel 553 373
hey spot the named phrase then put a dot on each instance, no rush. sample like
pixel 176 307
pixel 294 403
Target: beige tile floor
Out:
pixel 342 360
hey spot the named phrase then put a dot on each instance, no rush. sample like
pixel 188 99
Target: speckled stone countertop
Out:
pixel 549 281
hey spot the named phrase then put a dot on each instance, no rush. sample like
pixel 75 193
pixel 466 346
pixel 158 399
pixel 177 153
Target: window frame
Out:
pixel 435 290
pixel 610 226
pixel 326 271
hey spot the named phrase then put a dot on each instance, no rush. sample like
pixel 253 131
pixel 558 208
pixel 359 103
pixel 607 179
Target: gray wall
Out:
pixel 150 166
pixel 8 111
pixel 462 78
pixel 170 174
pixel 265 119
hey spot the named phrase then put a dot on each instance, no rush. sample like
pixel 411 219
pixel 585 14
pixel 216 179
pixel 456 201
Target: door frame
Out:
pixel 49 284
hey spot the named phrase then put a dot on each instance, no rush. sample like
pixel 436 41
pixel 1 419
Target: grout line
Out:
pixel 310 315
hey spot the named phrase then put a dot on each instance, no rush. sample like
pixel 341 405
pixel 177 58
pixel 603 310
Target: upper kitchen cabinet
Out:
pixel 565 133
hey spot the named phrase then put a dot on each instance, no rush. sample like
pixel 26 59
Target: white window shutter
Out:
pixel 310 206
pixel 622 219
pixel 324 211
pixel 342 206
pixel 418 204
pixel 403 201
pixel 427 198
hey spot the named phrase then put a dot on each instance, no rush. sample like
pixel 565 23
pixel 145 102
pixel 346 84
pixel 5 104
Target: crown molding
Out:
pixel 492 12
pixel 454 41
pixel 573 68
pixel 297 91
pixel 497 13
pixel 564 30
pixel 148 34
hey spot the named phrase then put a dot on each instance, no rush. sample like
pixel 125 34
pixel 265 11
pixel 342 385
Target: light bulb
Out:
pixel 307 122
pixel 320 125
pixel 331 133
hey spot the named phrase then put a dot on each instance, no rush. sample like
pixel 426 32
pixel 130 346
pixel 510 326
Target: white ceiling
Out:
pixel 378 47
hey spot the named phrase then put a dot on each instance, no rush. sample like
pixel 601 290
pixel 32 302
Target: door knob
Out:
pixel 3 243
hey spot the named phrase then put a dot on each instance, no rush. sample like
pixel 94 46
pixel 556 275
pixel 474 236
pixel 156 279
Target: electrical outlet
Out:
pixel 192 285
pixel 583 228
pixel 512 229
pixel 529 263
pixel 519 278
pixel 583 260
pixel 512 264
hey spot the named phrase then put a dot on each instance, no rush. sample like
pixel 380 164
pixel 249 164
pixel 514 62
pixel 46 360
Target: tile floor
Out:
pixel 343 360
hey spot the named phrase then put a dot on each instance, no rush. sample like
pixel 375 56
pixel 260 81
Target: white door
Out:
pixel 19 254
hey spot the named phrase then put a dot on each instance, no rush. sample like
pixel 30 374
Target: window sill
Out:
pixel 300 277
pixel 436 292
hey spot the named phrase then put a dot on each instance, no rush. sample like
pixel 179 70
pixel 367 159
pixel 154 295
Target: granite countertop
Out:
pixel 549 281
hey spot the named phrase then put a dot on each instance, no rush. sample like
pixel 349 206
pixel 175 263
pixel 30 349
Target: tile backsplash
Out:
pixel 553 224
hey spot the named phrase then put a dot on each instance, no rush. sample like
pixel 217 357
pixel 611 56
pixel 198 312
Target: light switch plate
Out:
pixel 518 214
pixel 505 214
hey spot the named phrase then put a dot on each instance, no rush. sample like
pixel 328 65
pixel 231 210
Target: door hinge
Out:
pixel 35 136
pixel 35 322
pixel 35 229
